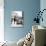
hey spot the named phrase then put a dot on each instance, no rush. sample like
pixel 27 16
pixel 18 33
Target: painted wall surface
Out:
pixel 1 20
pixel 43 6
pixel 29 7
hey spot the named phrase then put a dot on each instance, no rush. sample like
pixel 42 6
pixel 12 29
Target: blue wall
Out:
pixel 43 6
pixel 29 7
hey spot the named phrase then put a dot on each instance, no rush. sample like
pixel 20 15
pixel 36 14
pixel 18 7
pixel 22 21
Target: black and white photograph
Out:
pixel 17 19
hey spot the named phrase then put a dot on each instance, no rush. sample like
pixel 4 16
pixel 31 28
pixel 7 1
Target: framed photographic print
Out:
pixel 17 19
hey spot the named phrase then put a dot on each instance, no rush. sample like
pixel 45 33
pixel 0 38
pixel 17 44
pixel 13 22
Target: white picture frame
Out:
pixel 17 19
